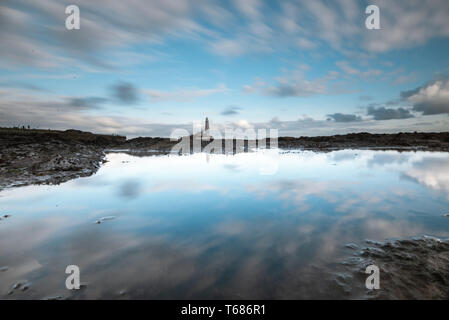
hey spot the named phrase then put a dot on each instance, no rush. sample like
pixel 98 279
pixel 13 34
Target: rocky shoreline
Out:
pixel 52 157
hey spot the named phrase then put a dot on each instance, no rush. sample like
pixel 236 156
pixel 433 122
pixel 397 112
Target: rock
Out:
pixel 352 246
pixel 18 285
pixel 3 269
pixel 412 268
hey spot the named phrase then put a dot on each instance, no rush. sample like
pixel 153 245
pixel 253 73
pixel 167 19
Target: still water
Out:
pixel 216 226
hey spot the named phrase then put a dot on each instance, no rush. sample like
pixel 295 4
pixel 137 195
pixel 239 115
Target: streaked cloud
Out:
pixel 183 95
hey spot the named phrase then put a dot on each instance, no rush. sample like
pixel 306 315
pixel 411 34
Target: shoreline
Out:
pixel 53 157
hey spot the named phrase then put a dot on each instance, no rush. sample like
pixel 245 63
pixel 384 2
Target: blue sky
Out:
pixel 303 67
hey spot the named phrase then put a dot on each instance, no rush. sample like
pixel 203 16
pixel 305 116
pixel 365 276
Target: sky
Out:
pixel 147 67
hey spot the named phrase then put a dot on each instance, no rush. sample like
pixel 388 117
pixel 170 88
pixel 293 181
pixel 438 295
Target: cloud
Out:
pixel 243 124
pixel 407 78
pixel 349 70
pixel 307 44
pixel 184 95
pixel 383 113
pixel 86 103
pixel 296 85
pixel 366 98
pixel 427 19
pixel 344 65
pixel 431 98
pixel 231 111
pixel 125 93
pixel 340 117
pixel 105 25
pixel 22 107
pixel 341 24
pixel 111 25
pixel 296 88
pixel 250 8
pixel 432 172
pixel 18 107
pixel 229 47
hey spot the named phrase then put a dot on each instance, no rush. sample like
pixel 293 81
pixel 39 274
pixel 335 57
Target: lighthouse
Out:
pixel 206 134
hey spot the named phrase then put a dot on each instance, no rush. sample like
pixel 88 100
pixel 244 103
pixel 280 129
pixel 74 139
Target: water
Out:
pixel 213 226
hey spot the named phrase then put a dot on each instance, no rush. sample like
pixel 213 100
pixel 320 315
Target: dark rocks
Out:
pixel 400 141
pixel 352 246
pixel 49 157
pixel 416 268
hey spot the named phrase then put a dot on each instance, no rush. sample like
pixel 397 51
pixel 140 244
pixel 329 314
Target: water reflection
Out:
pixel 192 227
pixel 432 172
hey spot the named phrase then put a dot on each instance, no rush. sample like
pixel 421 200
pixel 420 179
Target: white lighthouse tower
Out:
pixel 206 134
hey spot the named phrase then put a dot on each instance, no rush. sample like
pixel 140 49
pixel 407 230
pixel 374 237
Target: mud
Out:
pixel 416 268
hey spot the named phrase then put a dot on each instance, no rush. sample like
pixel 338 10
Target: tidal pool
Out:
pixel 217 226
